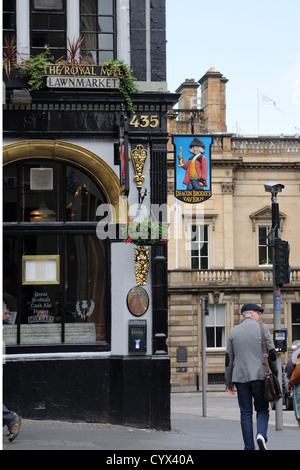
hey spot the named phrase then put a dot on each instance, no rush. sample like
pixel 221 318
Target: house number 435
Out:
pixel 144 121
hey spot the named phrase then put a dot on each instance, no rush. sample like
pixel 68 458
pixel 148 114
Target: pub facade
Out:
pixel 83 158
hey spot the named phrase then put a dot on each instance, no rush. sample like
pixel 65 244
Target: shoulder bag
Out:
pixel 295 377
pixel 272 387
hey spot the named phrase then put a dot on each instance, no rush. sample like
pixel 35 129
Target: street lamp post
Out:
pixel 204 311
pixel 280 268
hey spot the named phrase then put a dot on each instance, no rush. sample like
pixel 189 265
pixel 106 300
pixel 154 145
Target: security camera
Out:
pixel 273 188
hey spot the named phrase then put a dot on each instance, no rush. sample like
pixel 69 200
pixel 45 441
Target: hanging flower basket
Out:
pixel 145 232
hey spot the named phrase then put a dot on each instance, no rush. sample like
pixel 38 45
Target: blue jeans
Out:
pixel 245 392
pixel 8 417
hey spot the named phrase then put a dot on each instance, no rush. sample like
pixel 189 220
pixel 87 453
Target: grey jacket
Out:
pixel 244 355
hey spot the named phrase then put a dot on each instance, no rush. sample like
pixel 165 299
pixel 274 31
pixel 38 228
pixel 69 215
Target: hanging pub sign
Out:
pixel 192 168
pixel 80 76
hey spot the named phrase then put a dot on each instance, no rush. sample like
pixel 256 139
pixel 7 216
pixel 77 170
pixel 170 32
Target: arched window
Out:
pixel 54 265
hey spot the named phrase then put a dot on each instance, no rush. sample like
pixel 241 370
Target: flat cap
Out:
pixel 254 307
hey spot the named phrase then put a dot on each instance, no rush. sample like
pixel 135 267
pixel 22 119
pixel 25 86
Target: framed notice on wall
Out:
pixel 40 269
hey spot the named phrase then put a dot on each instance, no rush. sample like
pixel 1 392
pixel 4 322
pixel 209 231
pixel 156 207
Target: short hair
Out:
pixel 246 313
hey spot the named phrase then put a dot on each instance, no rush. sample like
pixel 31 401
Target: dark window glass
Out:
pixel 71 310
pixel 85 284
pixel 210 339
pixel 82 196
pixel 264 251
pixel 41 196
pixel 39 21
pixel 295 322
pixel 48 191
pixel 54 280
pixel 48 27
pixel 10 199
pixel 57 22
pixel 199 246
pixel 215 326
pixel 9 19
pixel 97 24
pixel 10 272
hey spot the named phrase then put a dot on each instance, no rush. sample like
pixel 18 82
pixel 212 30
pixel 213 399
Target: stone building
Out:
pixel 86 340
pixel 228 258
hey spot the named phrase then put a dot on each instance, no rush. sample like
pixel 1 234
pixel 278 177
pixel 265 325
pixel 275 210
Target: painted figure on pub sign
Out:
pixel 192 174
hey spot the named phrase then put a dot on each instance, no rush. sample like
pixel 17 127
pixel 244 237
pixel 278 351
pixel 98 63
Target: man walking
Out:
pixel 245 369
pixel 12 421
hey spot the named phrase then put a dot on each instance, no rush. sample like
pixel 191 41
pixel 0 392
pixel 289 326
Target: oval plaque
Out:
pixel 137 301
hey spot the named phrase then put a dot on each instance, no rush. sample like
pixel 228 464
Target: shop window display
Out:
pixel 54 279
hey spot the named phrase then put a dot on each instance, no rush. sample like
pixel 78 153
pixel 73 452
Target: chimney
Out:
pixel 188 94
pixel 213 101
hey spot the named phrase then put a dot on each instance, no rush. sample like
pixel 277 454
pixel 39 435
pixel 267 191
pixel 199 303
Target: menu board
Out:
pixel 40 269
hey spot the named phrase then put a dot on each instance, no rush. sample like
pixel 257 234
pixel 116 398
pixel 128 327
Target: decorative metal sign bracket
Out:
pixel 139 157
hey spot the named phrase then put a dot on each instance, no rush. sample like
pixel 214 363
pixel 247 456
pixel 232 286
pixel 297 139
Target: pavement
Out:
pixel 196 424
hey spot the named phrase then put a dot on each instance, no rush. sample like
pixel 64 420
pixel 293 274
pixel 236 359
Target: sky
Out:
pixel 254 44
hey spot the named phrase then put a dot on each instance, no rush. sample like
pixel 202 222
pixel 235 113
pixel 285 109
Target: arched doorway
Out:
pixel 55 269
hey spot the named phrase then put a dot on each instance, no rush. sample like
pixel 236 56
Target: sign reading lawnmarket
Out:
pixel 80 76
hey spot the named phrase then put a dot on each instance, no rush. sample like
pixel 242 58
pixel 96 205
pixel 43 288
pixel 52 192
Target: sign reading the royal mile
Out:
pixel 192 168
pixel 81 76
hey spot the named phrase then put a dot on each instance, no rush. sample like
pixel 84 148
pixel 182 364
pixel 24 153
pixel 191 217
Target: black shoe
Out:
pixel 261 442
pixel 15 429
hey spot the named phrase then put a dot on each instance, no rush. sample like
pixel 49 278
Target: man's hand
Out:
pixel 230 389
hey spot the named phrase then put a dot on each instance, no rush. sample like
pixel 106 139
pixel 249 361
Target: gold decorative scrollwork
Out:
pixel 141 263
pixel 139 156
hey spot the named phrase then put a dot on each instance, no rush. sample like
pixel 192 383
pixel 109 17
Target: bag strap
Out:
pixel 264 348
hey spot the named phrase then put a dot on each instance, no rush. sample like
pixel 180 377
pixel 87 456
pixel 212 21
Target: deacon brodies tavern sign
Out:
pixel 81 76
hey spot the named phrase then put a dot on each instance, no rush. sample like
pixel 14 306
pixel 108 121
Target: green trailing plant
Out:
pixel 33 69
pixel 119 69
pixel 145 232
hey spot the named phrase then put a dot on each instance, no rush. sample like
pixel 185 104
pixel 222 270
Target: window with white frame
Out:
pixel 199 247
pixel 97 25
pixel 54 23
pixel 9 20
pixel 48 27
pixel 215 326
pixel 264 251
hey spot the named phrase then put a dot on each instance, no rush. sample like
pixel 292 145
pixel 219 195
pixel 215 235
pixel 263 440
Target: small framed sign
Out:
pixel 41 179
pixel 40 269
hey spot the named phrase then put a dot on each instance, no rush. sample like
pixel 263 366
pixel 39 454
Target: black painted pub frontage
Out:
pixel 86 336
